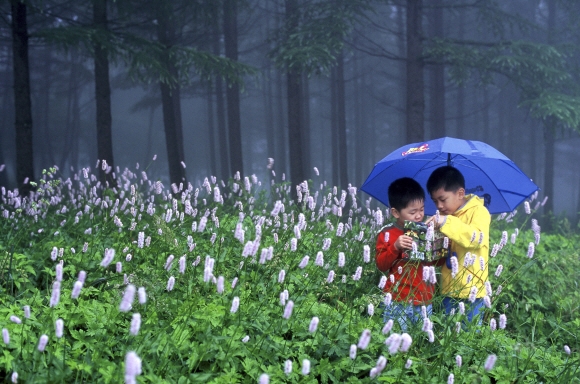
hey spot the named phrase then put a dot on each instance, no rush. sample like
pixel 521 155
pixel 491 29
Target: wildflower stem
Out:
pixel 63 353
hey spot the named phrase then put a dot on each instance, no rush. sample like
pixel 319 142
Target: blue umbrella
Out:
pixel 488 173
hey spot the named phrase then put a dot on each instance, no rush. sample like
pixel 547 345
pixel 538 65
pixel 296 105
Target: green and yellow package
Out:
pixel 426 249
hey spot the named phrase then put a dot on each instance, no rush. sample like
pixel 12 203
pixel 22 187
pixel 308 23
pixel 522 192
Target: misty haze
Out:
pixel 223 86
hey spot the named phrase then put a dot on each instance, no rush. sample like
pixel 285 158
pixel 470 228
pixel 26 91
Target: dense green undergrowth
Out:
pixel 236 240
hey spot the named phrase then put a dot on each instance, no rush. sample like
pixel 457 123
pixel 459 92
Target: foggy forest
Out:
pixel 197 191
pixel 212 87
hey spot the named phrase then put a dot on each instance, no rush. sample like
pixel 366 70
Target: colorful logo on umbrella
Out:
pixel 420 149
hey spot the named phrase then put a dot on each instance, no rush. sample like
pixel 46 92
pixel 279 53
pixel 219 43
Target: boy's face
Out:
pixel 447 202
pixel 414 211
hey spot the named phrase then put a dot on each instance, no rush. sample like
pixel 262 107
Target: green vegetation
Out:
pixel 190 330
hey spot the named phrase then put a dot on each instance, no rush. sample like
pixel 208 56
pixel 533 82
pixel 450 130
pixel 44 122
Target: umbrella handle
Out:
pixel 448 260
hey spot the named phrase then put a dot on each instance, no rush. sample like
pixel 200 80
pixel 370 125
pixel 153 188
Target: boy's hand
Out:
pixel 437 223
pixel 404 242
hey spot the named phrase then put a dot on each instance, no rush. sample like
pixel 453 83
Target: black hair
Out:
pixel 446 177
pixel 404 191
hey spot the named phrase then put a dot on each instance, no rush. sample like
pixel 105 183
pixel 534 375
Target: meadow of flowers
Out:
pixel 238 281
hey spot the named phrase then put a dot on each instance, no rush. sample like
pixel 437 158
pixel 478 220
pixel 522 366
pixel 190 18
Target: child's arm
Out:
pixel 468 235
pixel 388 252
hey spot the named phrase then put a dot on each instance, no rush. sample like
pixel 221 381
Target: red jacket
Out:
pixel 409 286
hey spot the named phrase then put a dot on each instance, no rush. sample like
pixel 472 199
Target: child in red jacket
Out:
pixel 409 292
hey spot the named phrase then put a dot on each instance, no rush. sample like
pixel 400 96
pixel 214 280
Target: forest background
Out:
pixel 213 87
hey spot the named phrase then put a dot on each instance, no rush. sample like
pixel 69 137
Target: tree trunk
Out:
pixel 280 114
pixel 269 111
pixel 415 106
pixel 402 78
pixel 42 140
pixel 22 104
pixel 150 128
pixel 171 106
pixel 103 96
pixel 176 170
pixel 534 149
pixel 73 116
pixel 359 126
pixel 176 96
pixel 306 134
pixel 3 173
pixel 212 153
pixel 6 125
pixel 297 174
pixel 460 120
pixel 485 117
pixel 549 161
pixel 233 89
pixel 268 96
pixel 550 132
pixel 281 131
pixel 341 112
pixel 222 132
pixel 76 118
pixel 295 118
pixel 437 91
pixel 334 126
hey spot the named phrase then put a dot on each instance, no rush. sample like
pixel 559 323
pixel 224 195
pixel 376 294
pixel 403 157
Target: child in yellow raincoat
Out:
pixel 465 221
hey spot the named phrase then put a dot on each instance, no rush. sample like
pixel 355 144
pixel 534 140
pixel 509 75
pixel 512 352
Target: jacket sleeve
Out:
pixel 386 253
pixel 463 233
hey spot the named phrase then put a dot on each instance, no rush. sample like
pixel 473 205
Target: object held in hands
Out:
pixel 426 250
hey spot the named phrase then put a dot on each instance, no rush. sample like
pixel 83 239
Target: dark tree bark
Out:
pixel 485 117
pixel 150 129
pixel 503 100
pixel 176 171
pixel 306 136
pixel 360 126
pixel 212 153
pixel 269 112
pixel 222 131
pixel 73 117
pixel 295 104
pixel 281 130
pixel 437 90
pixel 294 91
pixel 334 126
pixel 41 114
pixel 341 120
pixel 22 103
pixel 103 95
pixel 415 105
pixel 171 104
pixel 402 71
pixel 534 146
pixel 233 89
pixel 550 131
pixel 3 173
pixel 6 105
pixel 460 120
pixel 176 96
pixel 549 161
pixel 268 94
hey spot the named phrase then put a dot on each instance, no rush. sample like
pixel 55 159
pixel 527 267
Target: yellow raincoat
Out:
pixel 468 232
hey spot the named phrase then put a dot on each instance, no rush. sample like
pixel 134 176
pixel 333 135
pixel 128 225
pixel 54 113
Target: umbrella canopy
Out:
pixel 488 173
